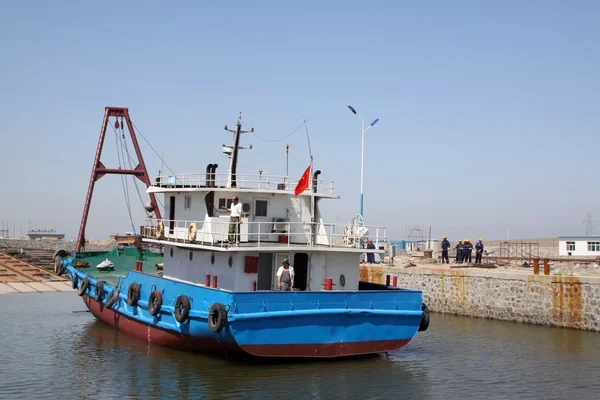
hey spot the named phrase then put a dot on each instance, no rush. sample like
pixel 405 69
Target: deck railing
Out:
pixel 243 181
pixel 215 232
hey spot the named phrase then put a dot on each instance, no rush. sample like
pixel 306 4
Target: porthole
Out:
pixel 171 252
pixel 212 259
pixel 230 261
pixel 191 255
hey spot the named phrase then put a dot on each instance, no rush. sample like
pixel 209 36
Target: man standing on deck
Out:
pixel 459 252
pixel 234 220
pixel 370 256
pixel 445 247
pixel 285 276
pixel 478 251
pixel 467 251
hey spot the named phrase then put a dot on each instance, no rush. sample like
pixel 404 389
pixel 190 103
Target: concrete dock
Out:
pixel 19 276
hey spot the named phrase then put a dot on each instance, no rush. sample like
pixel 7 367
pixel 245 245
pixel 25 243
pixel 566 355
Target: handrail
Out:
pixel 215 232
pixel 243 181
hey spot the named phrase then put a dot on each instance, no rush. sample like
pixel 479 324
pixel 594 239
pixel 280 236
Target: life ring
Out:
pixel 84 285
pixel 160 229
pixel 217 317
pixel 192 232
pixel 99 291
pixel 112 298
pixel 182 308
pixel 74 281
pixel 154 302
pixel 133 294
pixel 425 319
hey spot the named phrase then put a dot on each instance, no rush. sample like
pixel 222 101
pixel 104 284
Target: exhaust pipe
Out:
pixel 213 175
pixel 208 169
pixel 314 182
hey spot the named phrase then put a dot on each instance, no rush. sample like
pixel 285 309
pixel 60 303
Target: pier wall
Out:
pixel 562 301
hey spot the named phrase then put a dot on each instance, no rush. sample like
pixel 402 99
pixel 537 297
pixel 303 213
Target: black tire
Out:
pixel 217 317
pixel 99 291
pixel 182 308
pixel 61 269
pixel 74 281
pixel 133 294
pixel 58 254
pixel 84 285
pixel 112 298
pixel 425 319
pixel 342 280
pixel 154 302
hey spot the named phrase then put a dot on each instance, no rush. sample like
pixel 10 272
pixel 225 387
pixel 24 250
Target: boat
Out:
pixel 217 289
pixel 106 265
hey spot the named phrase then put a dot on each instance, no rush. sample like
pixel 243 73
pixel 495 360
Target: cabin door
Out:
pixel 300 264
pixel 171 214
pixel 260 216
pixel 265 272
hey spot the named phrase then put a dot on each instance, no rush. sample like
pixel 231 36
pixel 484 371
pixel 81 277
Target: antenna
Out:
pixel 232 152
pixel 589 231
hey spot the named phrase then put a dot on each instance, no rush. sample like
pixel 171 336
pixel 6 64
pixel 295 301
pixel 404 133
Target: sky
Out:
pixel 488 111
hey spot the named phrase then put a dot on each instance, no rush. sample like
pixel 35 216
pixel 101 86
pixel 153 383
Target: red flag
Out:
pixel 303 182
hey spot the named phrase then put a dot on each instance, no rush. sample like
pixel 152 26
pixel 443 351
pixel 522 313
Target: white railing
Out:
pixel 215 232
pixel 243 181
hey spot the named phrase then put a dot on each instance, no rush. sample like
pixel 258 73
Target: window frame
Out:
pixel 593 246
pixel 570 246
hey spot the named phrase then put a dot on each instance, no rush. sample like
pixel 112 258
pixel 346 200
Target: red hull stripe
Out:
pixel 177 340
pixel 324 350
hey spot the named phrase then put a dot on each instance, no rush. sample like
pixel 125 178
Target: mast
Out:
pixel 232 179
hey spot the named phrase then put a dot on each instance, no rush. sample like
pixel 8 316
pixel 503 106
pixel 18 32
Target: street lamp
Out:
pixel 362 157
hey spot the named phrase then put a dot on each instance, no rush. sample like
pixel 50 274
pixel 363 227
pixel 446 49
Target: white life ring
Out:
pixel 160 230
pixel 192 232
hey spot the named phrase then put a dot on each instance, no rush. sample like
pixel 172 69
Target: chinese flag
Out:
pixel 303 182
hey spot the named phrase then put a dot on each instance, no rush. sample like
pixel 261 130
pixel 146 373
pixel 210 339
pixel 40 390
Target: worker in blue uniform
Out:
pixel 459 252
pixel 445 247
pixel 478 251
pixel 467 251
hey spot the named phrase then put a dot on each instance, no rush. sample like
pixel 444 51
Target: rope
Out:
pixel 265 159
pixel 123 181
pixel 276 140
pixel 137 189
pixel 143 137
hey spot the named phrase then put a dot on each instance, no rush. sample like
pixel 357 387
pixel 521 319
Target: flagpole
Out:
pixel 312 192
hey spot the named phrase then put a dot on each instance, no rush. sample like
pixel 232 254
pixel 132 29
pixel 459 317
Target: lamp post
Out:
pixel 362 157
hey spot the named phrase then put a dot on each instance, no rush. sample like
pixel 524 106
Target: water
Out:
pixel 48 351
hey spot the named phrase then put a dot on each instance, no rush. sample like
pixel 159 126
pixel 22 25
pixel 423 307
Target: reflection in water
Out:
pixel 56 353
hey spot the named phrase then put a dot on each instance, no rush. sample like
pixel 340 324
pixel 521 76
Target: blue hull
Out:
pixel 263 323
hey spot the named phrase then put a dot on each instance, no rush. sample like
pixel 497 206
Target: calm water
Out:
pixel 48 351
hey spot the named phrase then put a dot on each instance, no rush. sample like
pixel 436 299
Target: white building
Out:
pixel 579 246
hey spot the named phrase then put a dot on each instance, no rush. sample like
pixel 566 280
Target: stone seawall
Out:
pixel 562 301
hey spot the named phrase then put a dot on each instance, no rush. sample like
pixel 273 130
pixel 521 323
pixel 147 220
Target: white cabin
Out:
pixel 274 225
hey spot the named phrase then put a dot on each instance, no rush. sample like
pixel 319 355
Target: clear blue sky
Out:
pixel 488 110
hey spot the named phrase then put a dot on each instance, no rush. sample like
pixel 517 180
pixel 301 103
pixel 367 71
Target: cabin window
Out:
pixel 187 203
pixel 570 246
pixel 223 202
pixel 260 208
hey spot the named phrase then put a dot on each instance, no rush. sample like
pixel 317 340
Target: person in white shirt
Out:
pixel 234 220
pixel 285 276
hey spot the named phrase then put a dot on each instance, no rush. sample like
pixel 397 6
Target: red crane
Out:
pixel 99 170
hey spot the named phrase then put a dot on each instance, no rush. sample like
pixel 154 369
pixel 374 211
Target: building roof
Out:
pixel 580 237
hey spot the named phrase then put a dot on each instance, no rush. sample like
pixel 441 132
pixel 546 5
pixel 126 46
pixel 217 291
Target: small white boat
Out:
pixel 106 265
